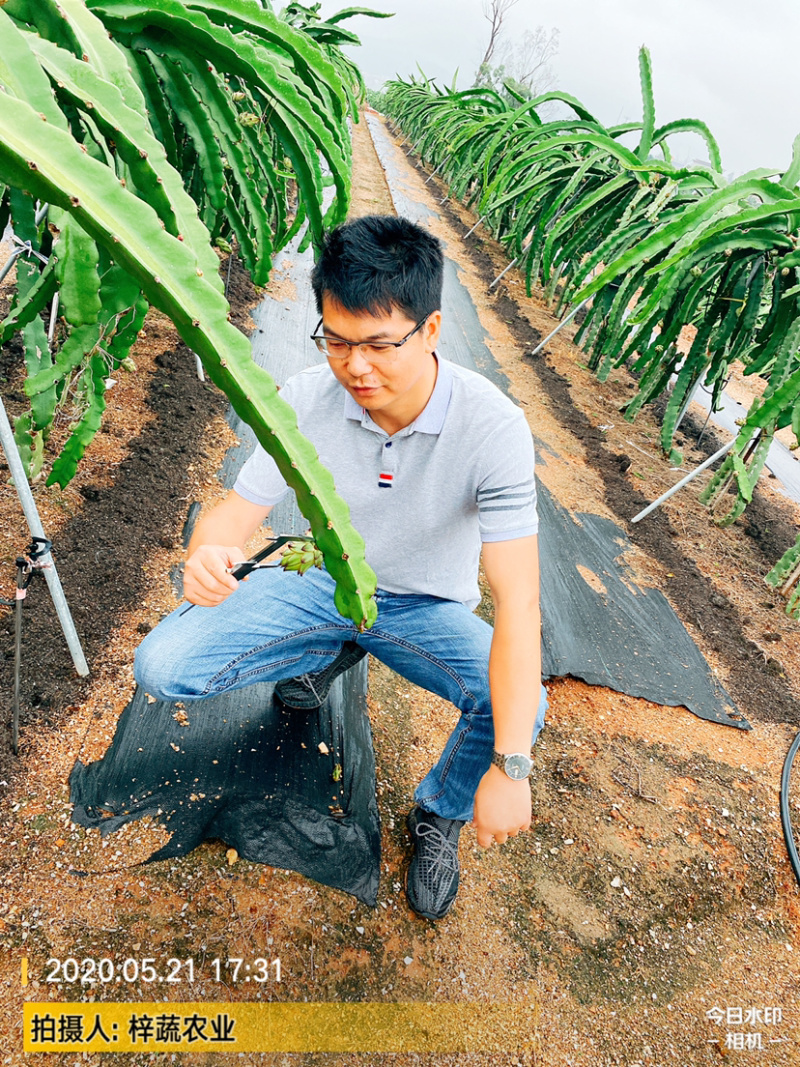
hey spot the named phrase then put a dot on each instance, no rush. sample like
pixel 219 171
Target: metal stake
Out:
pixel 684 481
pixel 474 228
pixel 508 268
pixel 433 175
pixel 53 319
pixel 709 392
pixel 560 326
pixel 23 248
pixel 37 530
pixel 9 263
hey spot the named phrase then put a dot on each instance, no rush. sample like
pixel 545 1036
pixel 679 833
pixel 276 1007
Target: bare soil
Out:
pixel 654 885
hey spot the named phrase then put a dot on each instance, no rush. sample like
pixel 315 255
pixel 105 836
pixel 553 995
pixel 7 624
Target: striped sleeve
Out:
pixel 506 495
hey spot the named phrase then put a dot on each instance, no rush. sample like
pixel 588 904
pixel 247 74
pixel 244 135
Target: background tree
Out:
pixel 520 68
pixel 495 11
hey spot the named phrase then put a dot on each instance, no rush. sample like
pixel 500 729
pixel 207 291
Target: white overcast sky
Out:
pixel 731 63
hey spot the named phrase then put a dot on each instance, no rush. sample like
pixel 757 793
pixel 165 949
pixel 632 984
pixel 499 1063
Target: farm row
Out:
pixel 653 248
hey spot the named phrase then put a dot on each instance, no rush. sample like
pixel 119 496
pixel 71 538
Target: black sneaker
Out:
pixel 309 690
pixel 432 879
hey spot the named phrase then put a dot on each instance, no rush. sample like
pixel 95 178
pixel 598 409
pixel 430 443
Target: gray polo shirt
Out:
pixel 425 498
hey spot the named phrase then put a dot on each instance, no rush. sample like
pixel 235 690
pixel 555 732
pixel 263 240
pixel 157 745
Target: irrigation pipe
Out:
pixel 37 530
pixel 786 817
pixel 684 481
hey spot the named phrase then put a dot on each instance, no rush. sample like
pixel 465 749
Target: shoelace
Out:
pixel 306 680
pixel 444 852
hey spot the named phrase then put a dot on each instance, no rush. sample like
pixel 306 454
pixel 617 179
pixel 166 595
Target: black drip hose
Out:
pixel 786 818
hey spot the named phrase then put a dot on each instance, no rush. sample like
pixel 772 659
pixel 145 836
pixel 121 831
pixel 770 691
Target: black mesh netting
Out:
pixel 250 772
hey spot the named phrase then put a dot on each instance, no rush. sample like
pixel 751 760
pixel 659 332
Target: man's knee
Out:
pixel 157 672
pixel 145 672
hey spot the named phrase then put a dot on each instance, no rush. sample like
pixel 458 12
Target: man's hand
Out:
pixel 205 578
pixel 215 546
pixel 502 807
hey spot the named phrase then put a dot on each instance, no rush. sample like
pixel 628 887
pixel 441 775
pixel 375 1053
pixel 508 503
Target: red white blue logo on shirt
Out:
pixel 385 481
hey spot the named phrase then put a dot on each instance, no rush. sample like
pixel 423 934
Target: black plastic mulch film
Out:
pixel 600 626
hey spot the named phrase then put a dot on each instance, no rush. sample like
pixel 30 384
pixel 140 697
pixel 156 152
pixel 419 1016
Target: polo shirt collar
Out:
pixel 430 419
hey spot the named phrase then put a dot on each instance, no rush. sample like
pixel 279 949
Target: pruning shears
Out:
pixel 241 570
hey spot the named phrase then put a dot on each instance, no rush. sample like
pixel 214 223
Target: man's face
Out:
pixel 394 393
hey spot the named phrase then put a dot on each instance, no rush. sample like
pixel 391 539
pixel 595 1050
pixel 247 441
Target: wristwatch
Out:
pixel 517 765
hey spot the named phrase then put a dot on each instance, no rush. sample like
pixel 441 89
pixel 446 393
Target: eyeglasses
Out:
pixel 373 351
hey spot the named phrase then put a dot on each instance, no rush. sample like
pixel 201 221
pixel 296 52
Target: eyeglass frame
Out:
pixel 320 340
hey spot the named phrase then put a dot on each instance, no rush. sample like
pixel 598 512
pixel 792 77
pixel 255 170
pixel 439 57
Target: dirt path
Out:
pixel 653 888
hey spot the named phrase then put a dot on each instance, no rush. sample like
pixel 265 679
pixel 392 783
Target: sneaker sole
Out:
pixel 426 914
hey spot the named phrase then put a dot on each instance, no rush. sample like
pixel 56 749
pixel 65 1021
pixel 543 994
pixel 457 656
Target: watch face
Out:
pixel 518 766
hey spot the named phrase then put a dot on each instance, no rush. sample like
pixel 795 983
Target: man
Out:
pixel 435 463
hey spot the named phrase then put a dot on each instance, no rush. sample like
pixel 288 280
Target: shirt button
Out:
pixel 388 444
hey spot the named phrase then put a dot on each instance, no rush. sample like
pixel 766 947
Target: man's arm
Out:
pixel 502 806
pixel 216 544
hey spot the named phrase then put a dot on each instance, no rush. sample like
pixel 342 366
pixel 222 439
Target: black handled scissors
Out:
pixel 241 570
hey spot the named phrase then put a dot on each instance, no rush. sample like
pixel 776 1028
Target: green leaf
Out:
pixel 155 179
pixel 34 335
pixel 30 445
pixel 686 224
pixel 20 74
pixel 48 19
pixel 194 117
pixel 36 299
pixel 63 469
pixel 691 126
pixel 158 114
pixel 349 12
pixel 648 104
pixel 785 565
pixel 792 176
pixel 165 270
pixel 742 477
pixel 303 124
pixel 76 262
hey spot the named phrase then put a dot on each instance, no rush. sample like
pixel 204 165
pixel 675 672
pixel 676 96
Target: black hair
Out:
pixel 377 263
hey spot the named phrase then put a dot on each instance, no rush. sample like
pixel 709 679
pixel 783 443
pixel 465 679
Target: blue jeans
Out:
pixel 279 625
